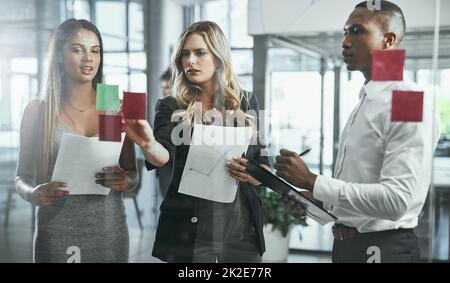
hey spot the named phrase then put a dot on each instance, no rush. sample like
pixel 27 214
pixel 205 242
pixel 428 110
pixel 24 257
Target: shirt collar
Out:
pixel 373 88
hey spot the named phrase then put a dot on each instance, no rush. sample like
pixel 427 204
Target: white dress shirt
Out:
pixel 383 168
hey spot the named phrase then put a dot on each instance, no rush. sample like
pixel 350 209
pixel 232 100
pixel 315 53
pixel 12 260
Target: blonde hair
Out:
pixel 229 92
pixel 54 94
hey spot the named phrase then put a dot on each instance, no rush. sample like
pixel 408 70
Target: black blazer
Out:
pixel 175 235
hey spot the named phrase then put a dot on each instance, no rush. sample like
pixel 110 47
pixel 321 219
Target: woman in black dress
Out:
pixel 192 229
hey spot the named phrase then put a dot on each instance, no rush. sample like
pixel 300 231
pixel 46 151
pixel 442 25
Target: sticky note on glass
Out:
pixel 407 106
pixel 110 128
pixel 134 105
pixel 108 97
pixel 387 65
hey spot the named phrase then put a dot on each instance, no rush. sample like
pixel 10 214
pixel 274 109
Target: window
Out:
pixel 136 27
pixel 124 55
pixel 81 9
pixel 238 25
pixel 111 21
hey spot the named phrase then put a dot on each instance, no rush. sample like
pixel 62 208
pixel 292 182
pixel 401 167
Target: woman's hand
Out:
pixel 237 169
pixel 293 205
pixel 113 177
pixel 46 194
pixel 140 132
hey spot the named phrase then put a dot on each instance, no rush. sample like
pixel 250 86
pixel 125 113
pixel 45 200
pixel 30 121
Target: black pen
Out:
pixel 305 152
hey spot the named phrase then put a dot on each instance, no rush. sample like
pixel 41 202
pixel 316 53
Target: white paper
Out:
pixel 80 158
pixel 204 175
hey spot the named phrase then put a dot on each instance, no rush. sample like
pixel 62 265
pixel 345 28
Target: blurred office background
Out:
pixel 286 51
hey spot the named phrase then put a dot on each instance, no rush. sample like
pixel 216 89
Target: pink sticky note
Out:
pixel 387 65
pixel 407 106
pixel 110 128
pixel 134 105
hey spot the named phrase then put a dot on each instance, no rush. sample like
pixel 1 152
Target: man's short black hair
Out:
pixel 166 76
pixel 390 16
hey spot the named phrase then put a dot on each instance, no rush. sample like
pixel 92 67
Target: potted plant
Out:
pixel 277 226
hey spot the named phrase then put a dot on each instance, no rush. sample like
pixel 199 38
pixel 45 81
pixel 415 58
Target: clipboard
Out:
pixel 280 186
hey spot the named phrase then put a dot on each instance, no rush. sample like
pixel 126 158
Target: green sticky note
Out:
pixel 108 97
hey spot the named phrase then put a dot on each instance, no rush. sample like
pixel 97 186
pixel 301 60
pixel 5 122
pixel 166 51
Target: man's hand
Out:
pixel 292 168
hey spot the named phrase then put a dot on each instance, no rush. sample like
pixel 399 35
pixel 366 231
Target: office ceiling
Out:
pixel 419 45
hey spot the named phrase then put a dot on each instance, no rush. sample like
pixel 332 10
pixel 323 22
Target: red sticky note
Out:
pixel 387 65
pixel 134 105
pixel 110 128
pixel 407 106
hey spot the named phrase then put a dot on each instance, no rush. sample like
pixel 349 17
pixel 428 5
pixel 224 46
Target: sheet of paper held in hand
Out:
pixel 80 158
pixel 205 175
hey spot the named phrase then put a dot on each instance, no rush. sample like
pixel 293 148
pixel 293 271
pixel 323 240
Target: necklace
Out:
pixel 82 110
pixel 75 128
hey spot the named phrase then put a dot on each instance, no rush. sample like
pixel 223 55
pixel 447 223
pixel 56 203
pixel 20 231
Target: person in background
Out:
pixel 166 83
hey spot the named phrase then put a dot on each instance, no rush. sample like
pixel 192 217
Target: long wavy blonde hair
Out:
pixel 229 92
pixel 54 95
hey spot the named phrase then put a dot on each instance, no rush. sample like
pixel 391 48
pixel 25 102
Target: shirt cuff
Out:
pixel 326 190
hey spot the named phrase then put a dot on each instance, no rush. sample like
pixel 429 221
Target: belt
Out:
pixel 342 232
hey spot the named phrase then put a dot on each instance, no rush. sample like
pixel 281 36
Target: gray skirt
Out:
pixel 82 228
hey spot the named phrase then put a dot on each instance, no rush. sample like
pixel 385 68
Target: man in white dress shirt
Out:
pixel 383 168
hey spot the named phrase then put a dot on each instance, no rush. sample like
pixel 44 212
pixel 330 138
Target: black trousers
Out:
pixel 393 246
pixel 239 251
